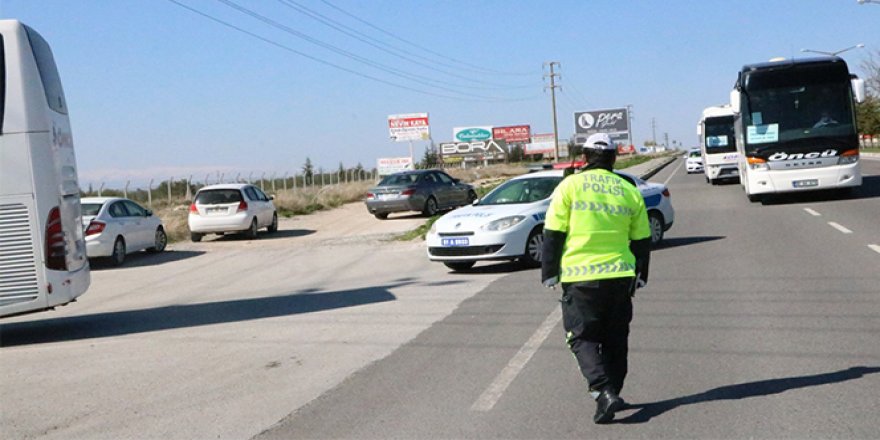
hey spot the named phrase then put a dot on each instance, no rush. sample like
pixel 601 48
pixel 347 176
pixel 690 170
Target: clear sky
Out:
pixel 156 90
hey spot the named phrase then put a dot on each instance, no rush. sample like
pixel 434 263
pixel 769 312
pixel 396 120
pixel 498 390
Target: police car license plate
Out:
pixel 454 241
pixel 805 183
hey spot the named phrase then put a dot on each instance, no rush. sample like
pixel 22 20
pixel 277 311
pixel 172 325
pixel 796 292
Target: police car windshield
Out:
pixel 522 191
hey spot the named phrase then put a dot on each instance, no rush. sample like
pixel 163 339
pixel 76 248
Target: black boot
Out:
pixel 606 405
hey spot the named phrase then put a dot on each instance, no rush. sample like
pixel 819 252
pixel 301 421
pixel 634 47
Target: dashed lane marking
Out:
pixel 666 182
pixel 875 248
pixel 840 228
pixel 490 397
pixel 812 212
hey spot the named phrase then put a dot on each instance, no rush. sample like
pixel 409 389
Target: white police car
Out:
pixel 508 223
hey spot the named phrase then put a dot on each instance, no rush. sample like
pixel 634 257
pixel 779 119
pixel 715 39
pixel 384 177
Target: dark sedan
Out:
pixel 428 191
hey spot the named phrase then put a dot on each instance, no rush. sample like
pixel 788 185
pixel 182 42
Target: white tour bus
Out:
pixel 43 260
pixel 796 127
pixel 718 144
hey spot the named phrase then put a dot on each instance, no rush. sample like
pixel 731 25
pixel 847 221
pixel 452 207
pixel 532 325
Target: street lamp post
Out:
pixel 836 52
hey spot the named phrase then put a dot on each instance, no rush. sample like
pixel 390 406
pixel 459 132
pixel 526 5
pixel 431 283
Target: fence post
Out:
pixel 169 189
pixel 150 194
pixel 101 189
pixel 262 179
pixel 125 190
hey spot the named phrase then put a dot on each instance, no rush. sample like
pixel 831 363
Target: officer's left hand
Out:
pixel 551 283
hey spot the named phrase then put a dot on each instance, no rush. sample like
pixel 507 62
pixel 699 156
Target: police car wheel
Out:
pixel 655 220
pixel 460 265
pixel 532 255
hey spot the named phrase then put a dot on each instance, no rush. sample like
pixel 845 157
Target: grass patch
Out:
pixel 870 149
pixel 418 232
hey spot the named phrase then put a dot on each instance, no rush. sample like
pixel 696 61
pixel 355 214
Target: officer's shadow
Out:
pixel 647 411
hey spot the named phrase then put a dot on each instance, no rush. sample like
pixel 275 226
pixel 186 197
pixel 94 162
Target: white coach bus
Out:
pixel 795 126
pixel 718 144
pixel 43 260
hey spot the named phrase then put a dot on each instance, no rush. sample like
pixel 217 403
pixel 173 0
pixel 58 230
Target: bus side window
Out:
pixel 48 72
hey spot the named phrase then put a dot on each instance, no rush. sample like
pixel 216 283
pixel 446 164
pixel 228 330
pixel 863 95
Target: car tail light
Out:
pixel 193 209
pixel 666 192
pixel 408 192
pixel 95 227
pixel 242 206
pixel 56 248
pixel 370 196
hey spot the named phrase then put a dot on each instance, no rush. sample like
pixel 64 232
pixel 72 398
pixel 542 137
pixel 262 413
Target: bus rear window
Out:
pixel 48 71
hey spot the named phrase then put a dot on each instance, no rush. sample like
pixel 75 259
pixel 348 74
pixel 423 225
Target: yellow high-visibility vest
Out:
pixel 600 212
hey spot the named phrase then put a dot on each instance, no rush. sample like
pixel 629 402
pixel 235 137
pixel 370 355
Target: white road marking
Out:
pixel 875 248
pixel 812 212
pixel 840 228
pixel 490 397
pixel 673 173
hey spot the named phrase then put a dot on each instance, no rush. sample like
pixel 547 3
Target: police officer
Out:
pixel 597 244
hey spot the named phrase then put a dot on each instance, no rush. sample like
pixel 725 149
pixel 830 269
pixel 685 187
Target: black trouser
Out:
pixel 596 317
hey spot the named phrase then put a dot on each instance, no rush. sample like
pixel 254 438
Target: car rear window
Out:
pixel 218 196
pixel 399 179
pixel 91 208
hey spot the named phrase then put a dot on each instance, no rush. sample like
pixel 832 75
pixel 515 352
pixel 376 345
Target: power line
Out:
pixel 379 66
pixel 391 49
pixel 345 69
pixel 464 63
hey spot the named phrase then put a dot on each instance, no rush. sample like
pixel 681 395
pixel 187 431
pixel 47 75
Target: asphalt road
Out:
pixel 759 321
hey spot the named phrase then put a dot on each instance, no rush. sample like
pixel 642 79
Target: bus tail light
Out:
pixel 848 157
pixel 56 248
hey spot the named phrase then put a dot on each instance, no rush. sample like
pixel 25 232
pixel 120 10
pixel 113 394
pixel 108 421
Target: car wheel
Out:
pixel 460 265
pixel 532 255
pixel 655 221
pixel 251 233
pixel 196 237
pixel 118 255
pixel 381 215
pixel 159 241
pixel 430 207
pixel 274 226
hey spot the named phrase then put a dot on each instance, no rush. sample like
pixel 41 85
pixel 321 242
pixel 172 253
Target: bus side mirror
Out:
pixel 734 100
pixel 858 86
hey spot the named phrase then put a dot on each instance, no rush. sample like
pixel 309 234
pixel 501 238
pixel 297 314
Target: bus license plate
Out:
pixel 454 242
pixel 805 183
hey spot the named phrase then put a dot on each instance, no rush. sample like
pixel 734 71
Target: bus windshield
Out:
pixel 794 112
pixel 719 135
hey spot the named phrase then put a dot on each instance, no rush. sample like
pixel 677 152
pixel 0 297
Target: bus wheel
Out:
pixel 118 255
pixel 754 197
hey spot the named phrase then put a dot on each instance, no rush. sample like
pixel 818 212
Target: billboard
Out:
pixel 614 120
pixel 409 127
pixel 472 134
pixel 391 165
pixel 541 144
pixel 474 150
pixel 514 134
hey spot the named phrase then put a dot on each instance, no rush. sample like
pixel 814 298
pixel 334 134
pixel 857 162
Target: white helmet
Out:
pixel 600 141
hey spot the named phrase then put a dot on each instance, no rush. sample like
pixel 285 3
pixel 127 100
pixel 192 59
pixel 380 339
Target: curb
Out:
pixel 647 175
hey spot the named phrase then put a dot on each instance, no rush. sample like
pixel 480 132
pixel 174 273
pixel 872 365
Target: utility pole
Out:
pixel 666 142
pixel 654 131
pixel 553 87
pixel 629 112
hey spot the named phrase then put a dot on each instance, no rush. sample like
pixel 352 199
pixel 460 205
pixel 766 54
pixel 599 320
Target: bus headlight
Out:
pixel 848 158
pixel 503 223
pixel 759 166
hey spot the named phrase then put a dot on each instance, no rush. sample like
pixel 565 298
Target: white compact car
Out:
pixel 231 208
pixel 694 162
pixel 508 223
pixel 115 227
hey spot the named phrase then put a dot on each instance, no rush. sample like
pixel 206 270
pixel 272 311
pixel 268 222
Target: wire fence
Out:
pixel 181 190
